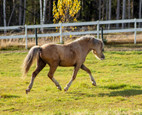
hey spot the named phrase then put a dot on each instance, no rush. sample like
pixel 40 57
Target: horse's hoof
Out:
pixel 65 89
pixel 27 91
pixel 59 88
pixel 94 84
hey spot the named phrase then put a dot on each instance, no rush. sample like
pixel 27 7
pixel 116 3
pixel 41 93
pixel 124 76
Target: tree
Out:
pixel 65 11
pixel 109 17
pixel 20 12
pixel 129 12
pixel 24 16
pixel 106 9
pixel 41 18
pixel 140 10
pixel 118 12
pixel 11 12
pixel 99 9
pixel 132 9
pixel 103 9
pixel 129 7
pixel 4 14
pixel 50 11
pixel 41 11
pixel 109 10
pixel 44 10
pixel 124 11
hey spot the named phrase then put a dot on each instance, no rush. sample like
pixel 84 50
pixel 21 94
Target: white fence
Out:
pixel 135 29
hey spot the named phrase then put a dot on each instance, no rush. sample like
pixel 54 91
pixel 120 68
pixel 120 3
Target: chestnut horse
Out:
pixel 71 54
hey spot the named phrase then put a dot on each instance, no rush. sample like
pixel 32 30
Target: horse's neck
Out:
pixel 86 46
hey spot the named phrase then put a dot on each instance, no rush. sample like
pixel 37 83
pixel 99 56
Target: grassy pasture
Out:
pixel 118 90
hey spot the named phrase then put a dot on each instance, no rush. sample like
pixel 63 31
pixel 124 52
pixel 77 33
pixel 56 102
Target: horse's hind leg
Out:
pixel 40 66
pixel 83 67
pixel 51 73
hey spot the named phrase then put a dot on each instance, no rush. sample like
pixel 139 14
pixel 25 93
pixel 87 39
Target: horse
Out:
pixel 65 55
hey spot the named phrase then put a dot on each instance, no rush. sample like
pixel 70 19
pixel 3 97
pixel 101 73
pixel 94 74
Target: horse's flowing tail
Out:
pixel 31 56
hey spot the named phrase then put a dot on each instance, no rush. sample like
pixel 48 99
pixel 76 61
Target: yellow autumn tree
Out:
pixel 65 11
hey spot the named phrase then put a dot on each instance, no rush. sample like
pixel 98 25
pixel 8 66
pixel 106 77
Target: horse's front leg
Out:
pixel 73 78
pixel 83 67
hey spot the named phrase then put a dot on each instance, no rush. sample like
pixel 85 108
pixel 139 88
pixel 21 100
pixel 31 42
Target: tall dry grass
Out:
pixel 117 38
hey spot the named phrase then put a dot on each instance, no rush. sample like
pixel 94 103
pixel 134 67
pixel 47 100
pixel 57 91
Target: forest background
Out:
pixel 21 12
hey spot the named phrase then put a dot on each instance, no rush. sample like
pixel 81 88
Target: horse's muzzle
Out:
pixel 102 57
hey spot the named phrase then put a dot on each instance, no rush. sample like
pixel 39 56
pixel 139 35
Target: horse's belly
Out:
pixel 66 63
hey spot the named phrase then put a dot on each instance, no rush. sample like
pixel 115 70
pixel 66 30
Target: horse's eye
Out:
pixel 102 50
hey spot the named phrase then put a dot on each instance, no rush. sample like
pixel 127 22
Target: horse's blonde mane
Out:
pixel 87 37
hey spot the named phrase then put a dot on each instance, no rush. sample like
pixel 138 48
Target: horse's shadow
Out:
pixel 123 93
pixel 81 94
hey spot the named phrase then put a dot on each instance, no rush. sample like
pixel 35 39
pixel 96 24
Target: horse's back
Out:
pixel 65 55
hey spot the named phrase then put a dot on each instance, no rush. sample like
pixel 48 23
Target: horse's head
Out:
pixel 98 48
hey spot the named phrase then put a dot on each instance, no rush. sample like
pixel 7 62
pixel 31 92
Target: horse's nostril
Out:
pixel 103 57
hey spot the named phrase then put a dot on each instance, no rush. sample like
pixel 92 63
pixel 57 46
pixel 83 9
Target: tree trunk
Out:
pixel 50 11
pixel 41 18
pixel 106 11
pixel 118 12
pixel 103 9
pixel 124 12
pixel 99 9
pixel 129 13
pixel 41 12
pixel 140 10
pixel 109 17
pixel 20 13
pixel 4 15
pixel 24 16
pixel 11 13
pixel 44 10
pixel 132 9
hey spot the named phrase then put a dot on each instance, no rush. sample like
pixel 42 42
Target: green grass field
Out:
pixel 118 90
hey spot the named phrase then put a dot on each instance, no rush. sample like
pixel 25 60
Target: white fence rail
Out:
pixel 61 33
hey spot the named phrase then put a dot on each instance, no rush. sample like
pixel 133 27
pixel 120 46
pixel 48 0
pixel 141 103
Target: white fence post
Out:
pixel 26 37
pixel 61 33
pixel 98 29
pixel 61 39
pixel 135 30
